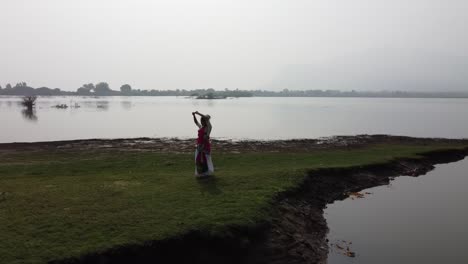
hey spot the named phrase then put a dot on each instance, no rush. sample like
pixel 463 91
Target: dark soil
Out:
pixel 175 145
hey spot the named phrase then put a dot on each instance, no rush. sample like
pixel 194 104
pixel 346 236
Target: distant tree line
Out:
pixel 353 93
pixel 23 89
pixel 103 89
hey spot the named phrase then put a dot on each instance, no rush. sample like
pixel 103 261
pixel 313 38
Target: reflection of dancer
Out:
pixel 204 165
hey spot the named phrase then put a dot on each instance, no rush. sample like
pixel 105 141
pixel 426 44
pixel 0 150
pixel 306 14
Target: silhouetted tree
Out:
pixel 102 88
pixel 85 89
pixel 90 87
pixel 47 91
pixel 21 84
pixel 8 86
pixel 29 102
pixel 126 88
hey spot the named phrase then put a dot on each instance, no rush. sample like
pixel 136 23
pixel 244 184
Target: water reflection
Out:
pixel 89 104
pixel 102 105
pixel 211 103
pixel 195 102
pixel 204 102
pixel 29 114
pixel 127 105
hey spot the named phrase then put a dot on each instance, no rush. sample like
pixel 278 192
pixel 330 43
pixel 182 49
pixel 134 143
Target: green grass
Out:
pixel 59 205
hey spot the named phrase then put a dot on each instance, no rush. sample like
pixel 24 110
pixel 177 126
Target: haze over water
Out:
pixel 243 118
pixel 262 44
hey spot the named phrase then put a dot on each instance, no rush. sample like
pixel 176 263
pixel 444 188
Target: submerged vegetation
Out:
pixel 61 106
pixel 29 102
pixel 29 112
pixel 61 204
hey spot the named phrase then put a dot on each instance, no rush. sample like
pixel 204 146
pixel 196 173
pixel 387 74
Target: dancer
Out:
pixel 203 163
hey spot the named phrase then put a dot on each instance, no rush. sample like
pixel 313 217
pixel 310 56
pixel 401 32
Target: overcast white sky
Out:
pixel 252 44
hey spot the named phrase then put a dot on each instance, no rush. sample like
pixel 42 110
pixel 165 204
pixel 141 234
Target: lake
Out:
pixel 242 118
pixel 412 220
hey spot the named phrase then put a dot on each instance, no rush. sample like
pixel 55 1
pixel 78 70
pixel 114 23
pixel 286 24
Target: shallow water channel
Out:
pixel 412 220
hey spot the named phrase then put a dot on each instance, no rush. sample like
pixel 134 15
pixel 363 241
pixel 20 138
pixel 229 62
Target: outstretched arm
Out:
pixel 195 120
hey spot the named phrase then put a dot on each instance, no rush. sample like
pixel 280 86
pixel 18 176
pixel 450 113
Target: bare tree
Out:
pixel 29 102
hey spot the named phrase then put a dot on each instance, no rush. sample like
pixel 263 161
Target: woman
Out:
pixel 203 163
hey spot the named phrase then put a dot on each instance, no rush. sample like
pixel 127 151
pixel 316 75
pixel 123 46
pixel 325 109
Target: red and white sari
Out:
pixel 203 162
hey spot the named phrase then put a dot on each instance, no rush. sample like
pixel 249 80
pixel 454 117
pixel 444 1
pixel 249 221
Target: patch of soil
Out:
pixel 175 145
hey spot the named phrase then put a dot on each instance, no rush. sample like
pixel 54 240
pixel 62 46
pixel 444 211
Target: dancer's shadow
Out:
pixel 209 185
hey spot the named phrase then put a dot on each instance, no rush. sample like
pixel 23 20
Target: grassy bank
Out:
pixel 55 205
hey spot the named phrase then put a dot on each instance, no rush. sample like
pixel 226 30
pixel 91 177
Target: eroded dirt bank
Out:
pixel 296 232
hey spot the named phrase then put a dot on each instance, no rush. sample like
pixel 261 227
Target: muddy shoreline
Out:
pixel 176 145
pixel 297 229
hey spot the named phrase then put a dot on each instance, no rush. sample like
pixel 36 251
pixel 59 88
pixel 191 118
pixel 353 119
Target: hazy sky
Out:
pixel 252 44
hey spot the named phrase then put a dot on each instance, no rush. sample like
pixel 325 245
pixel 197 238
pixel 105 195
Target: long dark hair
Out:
pixel 204 121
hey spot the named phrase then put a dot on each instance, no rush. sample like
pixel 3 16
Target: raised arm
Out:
pixel 200 114
pixel 195 119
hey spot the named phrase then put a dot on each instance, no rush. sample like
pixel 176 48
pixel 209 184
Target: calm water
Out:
pixel 413 220
pixel 244 118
